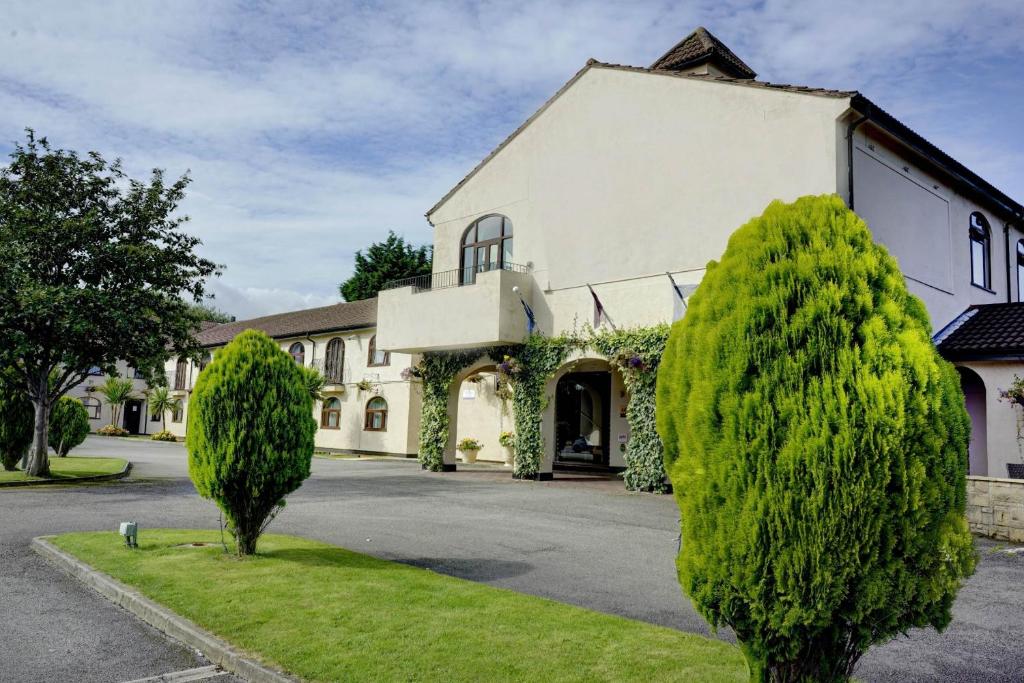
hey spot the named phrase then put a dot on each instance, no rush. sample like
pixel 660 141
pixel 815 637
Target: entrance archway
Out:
pixel 975 401
pixel 582 418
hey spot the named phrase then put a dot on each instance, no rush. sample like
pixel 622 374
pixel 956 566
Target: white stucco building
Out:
pixel 628 178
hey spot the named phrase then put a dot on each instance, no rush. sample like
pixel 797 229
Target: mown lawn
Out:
pixel 70 468
pixel 326 613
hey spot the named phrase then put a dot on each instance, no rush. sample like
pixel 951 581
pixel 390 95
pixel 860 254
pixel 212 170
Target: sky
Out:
pixel 311 129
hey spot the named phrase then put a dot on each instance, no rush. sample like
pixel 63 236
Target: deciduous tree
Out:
pixel 95 270
pixel 817 446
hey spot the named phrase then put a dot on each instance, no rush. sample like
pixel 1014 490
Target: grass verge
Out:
pixel 71 467
pixel 326 613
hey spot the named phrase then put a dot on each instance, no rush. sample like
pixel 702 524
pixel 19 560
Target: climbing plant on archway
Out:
pixel 636 353
pixel 437 370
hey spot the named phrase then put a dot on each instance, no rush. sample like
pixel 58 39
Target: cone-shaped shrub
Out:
pixel 16 420
pixel 69 424
pixel 250 433
pixel 817 446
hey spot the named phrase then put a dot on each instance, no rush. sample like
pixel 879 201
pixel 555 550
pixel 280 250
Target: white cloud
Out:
pixel 313 128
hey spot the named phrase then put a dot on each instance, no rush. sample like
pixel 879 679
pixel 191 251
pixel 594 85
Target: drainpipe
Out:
pixel 1006 242
pixel 849 153
pixel 312 344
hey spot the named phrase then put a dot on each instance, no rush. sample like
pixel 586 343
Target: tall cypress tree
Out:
pixel 817 445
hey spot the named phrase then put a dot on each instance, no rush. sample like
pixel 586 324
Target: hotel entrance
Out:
pixel 582 420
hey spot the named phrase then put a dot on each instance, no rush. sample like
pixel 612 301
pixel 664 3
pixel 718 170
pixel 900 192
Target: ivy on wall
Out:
pixel 636 353
pixel 437 370
pixel 527 368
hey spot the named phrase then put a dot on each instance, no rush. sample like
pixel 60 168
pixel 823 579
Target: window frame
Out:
pixel 372 354
pixel 93 405
pixel 299 356
pixel 980 233
pixel 1020 270
pixel 468 271
pixel 370 413
pixel 178 412
pixel 337 363
pixel 327 409
pixel 181 374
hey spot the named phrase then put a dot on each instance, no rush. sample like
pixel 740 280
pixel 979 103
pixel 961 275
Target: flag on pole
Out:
pixel 599 313
pixel 531 320
pixel 682 292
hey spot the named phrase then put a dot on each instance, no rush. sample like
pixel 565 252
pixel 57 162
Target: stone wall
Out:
pixel 995 507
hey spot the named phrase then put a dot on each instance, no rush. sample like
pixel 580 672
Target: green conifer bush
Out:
pixel 16 420
pixel 250 433
pixel 69 425
pixel 817 446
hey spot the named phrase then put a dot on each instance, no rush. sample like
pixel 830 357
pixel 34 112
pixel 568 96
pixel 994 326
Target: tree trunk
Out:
pixel 38 457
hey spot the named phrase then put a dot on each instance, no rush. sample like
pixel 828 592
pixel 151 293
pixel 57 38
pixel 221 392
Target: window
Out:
pixel 204 361
pixel 96 371
pixel 334 361
pixel 980 268
pixel 330 415
pixel 181 374
pixel 176 411
pixel 486 245
pixel 376 357
pixel 1020 270
pixel 376 415
pixel 298 352
pixel 92 406
pixel 138 374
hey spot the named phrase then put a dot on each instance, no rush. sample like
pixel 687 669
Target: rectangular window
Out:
pixel 978 274
pixel 95 371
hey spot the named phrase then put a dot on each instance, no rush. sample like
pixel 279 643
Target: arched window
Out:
pixel 92 406
pixel 330 415
pixel 334 361
pixel 298 353
pixel 1020 270
pixel 376 415
pixel 181 374
pixel 205 360
pixel 376 357
pixel 486 245
pixel 177 412
pixel 980 238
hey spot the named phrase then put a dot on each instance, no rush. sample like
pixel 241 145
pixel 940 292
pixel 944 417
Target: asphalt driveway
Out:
pixel 584 541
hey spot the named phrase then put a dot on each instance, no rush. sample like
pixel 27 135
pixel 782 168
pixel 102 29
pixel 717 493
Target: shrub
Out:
pixel 250 433
pixel 69 425
pixel 17 417
pixel 817 445
pixel 111 430
pixel 164 435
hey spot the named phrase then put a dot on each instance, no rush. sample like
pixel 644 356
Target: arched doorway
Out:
pixel 974 399
pixel 582 418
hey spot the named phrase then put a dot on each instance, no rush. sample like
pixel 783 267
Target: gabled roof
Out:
pixel 337 317
pixel 700 47
pixel 984 332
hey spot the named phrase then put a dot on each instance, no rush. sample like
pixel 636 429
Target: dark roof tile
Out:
pixel 699 47
pixel 984 331
pixel 343 316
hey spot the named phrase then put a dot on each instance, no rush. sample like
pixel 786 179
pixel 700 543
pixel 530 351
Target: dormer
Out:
pixel 702 53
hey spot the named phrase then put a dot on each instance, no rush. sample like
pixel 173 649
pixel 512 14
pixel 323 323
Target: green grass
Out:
pixel 326 613
pixel 70 467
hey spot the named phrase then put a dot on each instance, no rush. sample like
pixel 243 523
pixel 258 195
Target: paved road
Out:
pixel 584 542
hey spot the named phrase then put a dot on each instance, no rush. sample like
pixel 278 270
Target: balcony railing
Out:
pixel 332 370
pixel 458 277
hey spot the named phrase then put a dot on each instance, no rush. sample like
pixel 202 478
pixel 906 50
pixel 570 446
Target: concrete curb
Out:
pixel 159 617
pixel 70 480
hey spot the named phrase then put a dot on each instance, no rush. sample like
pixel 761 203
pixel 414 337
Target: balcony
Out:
pixel 334 374
pixel 454 309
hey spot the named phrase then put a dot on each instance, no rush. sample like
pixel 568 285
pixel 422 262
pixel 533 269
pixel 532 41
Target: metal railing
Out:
pixel 332 370
pixel 458 277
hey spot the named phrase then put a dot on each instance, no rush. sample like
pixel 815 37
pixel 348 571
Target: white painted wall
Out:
pixel 1002 420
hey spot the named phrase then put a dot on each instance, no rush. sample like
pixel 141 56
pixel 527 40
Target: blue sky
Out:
pixel 311 129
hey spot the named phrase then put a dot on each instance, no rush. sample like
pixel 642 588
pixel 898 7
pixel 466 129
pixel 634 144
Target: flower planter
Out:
pixel 469 455
pixel 509 455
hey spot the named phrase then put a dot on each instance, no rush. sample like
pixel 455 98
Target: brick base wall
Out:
pixel 995 507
